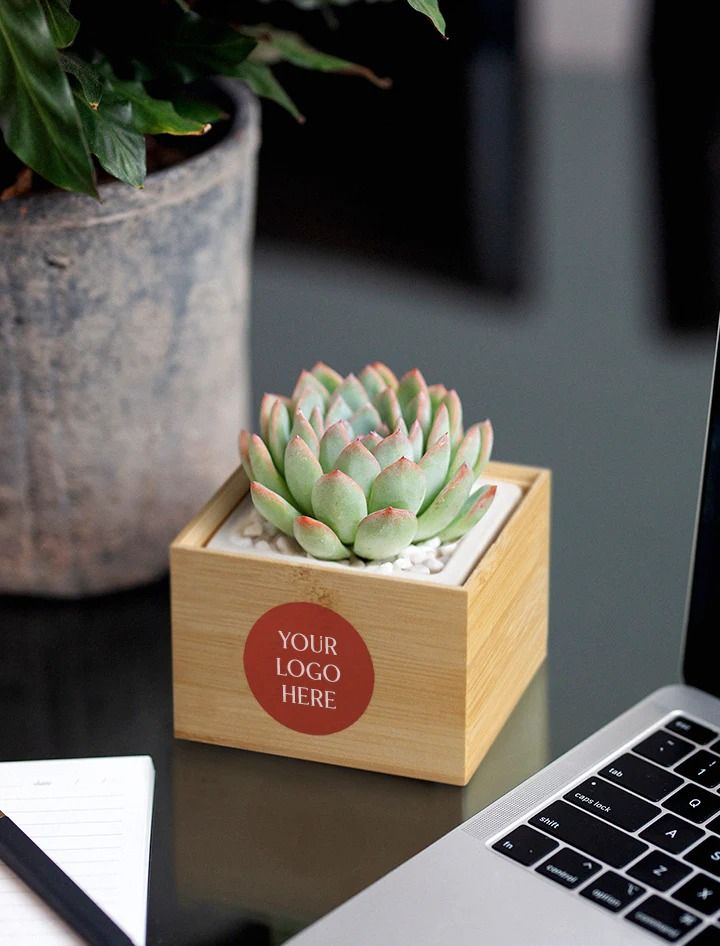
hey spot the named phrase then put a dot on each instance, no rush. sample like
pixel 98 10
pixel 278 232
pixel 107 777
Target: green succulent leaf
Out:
pixel 384 533
pixel 446 505
pixel 437 394
pixel 454 408
pixel 338 409
pixel 401 485
pixel 359 464
pixel 319 540
pixel 62 24
pixel 273 508
pixel 327 376
pixel 332 443
pixel 473 510
pixel 263 83
pixel 302 471
pixel 415 436
pixel 419 409
pixel 340 503
pixel 244 449
pixel 435 465
pixel 372 440
pixel 409 386
pixel 431 9
pixel 389 408
pixel 352 392
pixel 113 140
pixel 468 450
pixel 307 383
pixel 393 447
pixel 364 420
pixel 151 116
pixel 88 78
pixel 317 422
pixel 372 381
pixel 38 115
pixel 303 428
pixel 278 433
pixel 440 425
pixel 266 406
pixel 387 374
pixel 264 470
pixel 486 445
pixel 278 45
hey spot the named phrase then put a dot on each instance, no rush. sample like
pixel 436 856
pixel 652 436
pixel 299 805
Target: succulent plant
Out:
pixel 366 464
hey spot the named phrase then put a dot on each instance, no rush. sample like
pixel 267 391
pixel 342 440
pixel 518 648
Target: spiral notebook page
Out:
pixel 93 818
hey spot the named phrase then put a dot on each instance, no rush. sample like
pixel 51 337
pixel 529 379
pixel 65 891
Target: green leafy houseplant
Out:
pixel 86 79
pixel 367 464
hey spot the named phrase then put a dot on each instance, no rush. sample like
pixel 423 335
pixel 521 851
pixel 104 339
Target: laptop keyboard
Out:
pixel 640 837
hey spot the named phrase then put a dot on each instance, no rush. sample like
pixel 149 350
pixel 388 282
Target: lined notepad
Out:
pixel 93 818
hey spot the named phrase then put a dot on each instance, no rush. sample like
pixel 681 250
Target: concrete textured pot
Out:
pixel 123 365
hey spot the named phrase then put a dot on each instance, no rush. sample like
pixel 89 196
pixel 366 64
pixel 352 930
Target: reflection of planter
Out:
pixel 113 428
pixel 402 676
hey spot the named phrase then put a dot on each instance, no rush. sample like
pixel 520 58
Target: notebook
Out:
pixel 93 818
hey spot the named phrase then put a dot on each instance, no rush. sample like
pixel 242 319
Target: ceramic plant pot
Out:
pixel 123 365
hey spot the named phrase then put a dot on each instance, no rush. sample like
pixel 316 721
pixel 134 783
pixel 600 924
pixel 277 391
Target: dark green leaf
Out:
pixel 112 139
pixel 154 116
pixel 62 24
pixel 89 79
pixel 274 45
pixel 38 116
pixel 198 111
pixel 200 47
pixel 261 80
pixel 431 9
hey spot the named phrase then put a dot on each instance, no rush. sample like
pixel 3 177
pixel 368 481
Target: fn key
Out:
pixel 525 845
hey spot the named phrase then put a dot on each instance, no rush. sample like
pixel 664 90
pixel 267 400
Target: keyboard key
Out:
pixel 703 768
pixel 710 936
pixel 714 826
pixel 716 746
pixel 686 727
pixel 664 919
pixel 672 834
pixel 641 777
pixel 525 845
pixel 568 868
pixel 659 870
pixel 612 891
pixel 693 803
pixel 663 748
pixel 612 804
pixel 590 835
pixel 700 892
pixel 706 855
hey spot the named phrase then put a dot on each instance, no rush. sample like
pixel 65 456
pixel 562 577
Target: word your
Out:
pixel 305 667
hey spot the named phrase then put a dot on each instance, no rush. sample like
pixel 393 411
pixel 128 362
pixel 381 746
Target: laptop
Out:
pixel 616 842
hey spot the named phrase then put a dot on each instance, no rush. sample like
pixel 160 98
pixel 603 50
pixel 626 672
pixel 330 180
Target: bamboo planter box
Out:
pixel 356 668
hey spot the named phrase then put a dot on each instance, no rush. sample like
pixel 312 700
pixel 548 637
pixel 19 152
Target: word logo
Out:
pixel 308 668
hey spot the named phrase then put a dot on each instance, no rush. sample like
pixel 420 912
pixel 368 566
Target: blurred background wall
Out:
pixel 531 215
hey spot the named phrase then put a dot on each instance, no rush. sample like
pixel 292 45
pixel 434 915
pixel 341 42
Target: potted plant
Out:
pixel 366 589
pixel 111 309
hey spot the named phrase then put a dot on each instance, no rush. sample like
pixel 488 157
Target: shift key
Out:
pixel 588 834
pixel 612 804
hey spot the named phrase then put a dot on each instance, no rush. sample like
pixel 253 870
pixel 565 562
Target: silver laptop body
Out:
pixel 616 842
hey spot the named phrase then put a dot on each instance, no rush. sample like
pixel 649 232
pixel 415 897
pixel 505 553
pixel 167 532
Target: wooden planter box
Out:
pixel 442 666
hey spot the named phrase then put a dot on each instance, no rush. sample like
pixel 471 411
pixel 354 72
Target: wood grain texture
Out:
pixel 450 662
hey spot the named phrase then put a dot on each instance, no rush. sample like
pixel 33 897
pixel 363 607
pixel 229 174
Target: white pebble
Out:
pixel 448 548
pixel 403 563
pixel 285 544
pixel 357 563
pixel 421 569
pixel 418 553
pixel 253 529
pixel 386 568
pixel 242 541
pixel 435 565
pixel 262 546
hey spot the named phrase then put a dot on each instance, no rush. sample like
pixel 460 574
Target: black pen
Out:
pixel 60 893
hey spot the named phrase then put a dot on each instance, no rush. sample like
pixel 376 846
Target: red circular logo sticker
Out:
pixel 308 668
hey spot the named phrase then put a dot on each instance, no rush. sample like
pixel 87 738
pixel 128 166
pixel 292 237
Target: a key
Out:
pixel 659 870
pixel 700 892
pixel 703 768
pixel 568 868
pixel 672 833
pixel 693 803
pixel 706 855
pixel 525 845
pixel 588 834
pixel 663 918
pixel 612 891
pixel 710 936
pixel 612 804
pixel 686 727
pixel 641 777
pixel 664 748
